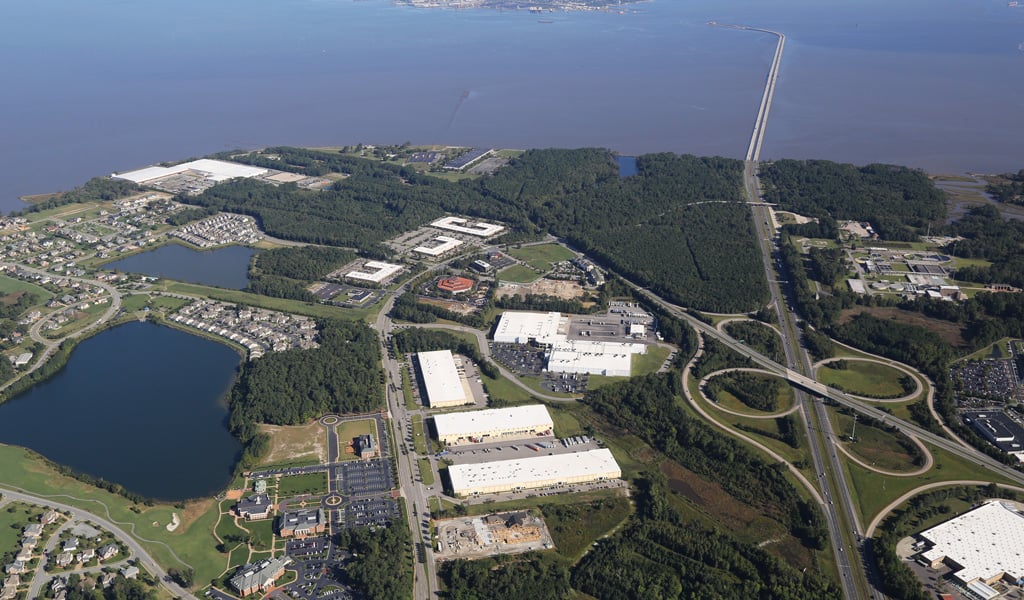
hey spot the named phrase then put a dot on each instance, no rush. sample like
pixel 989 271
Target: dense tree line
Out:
pixel 120 589
pixel 1010 191
pixel 507 577
pixel 279 287
pixel 649 407
pixel 406 308
pixel 545 303
pixel 97 189
pixel 343 375
pixel 759 337
pixel 382 567
pixel 894 199
pixel 718 356
pixel 787 433
pixel 308 263
pixel 987 235
pixel 760 392
pixel 661 556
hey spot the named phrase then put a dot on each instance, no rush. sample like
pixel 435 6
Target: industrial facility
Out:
pixel 981 547
pixel 375 271
pixel 569 356
pixel 439 246
pixel 521 327
pixel 477 228
pixel 215 170
pixel 441 379
pixel 532 473
pixel 493 425
pixel 998 429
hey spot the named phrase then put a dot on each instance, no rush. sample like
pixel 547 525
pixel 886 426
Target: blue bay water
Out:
pixel 141 405
pixel 112 85
pixel 226 267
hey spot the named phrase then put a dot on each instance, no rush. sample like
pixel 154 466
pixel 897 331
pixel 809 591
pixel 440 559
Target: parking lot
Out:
pixel 374 511
pixel 528 448
pixel 363 478
pixel 566 383
pixel 521 359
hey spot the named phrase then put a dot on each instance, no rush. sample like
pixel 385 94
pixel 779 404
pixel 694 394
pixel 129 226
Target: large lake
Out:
pixel 141 405
pixel 226 267
pixel 103 86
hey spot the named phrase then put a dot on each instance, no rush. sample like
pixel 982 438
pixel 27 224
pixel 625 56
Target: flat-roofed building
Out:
pixel 441 380
pixel 438 246
pixel 375 271
pixel 532 473
pixel 216 170
pixel 303 523
pixel 595 358
pixel 983 546
pixel 493 424
pixel 523 327
pixel 477 228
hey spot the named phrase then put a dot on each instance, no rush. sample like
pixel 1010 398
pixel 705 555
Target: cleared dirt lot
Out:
pixel 294 443
pixel 566 290
pixel 498 533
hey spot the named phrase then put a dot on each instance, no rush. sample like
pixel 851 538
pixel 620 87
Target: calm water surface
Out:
pixel 110 85
pixel 226 267
pixel 141 405
pixel 627 165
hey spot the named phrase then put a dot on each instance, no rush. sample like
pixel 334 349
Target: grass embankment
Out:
pixel 419 441
pixel 10 285
pixel 864 378
pixel 280 304
pixel 542 256
pixel 410 399
pixel 192 541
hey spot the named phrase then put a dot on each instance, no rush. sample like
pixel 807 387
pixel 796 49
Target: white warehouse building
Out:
pixel 596 358
pixel 442 382
pixel 532 473
pixel 493 424
pixel 216 170
pixel 376 271
pixel 981 547
pixel 521 327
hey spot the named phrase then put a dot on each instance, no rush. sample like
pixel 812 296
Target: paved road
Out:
pixel 51 345
pixel 144 559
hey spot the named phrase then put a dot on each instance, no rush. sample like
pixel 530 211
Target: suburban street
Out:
pixel 144 559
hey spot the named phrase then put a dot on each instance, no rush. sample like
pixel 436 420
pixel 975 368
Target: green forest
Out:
pixel 1010 191
pixel 678 226
pixel 896 200
pixel 382 567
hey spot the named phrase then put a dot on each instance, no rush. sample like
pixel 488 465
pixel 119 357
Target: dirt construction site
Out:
pixel 499 533
pixel 567 290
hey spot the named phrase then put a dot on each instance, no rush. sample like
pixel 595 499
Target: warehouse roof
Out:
pixel 986 541
pixel 217 170
pixel 519 327
pixel 535 470
pixel 476 421
pixel 576 356
pixel 441 377
pixel 379 271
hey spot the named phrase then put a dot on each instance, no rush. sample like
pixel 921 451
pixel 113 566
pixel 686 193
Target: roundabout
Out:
pixel 330 420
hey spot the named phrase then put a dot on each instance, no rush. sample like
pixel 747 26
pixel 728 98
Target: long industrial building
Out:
pixel 981 547
pixel 441 380
pixel 493 424
pixel 532 473
pixel 215 170
pixel 376 271
pixel 596 358
pixel 477 228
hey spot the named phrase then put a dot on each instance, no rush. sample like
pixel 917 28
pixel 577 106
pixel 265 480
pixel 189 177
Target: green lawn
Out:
pixel 349 430
pixel 504 390
pixel 995 350
pixel 134 302
pixel 84 319
pixel 309 483
pixel 426 471
pixel 410 400
pixel 566 423
pixel 649 362
pixel 864 378
pixel 518 274
pixel 290 306
pixel 419 440
pixel 542 256
pixel 13 519
pixel 193 541
pixel 262 533
pixel 10 285
pixel 874 446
